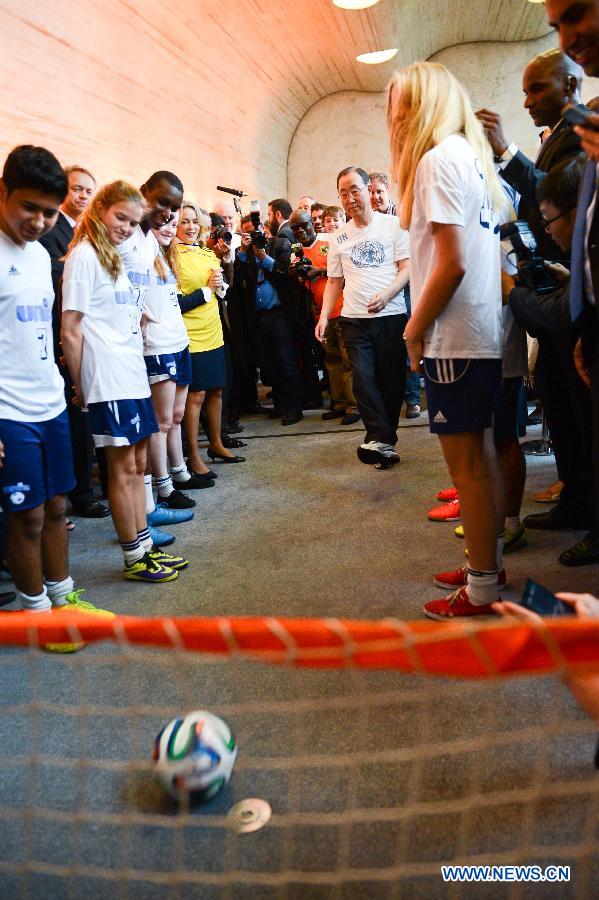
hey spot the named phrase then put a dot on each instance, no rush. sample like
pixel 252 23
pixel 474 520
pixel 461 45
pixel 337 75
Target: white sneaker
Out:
pixel 376 453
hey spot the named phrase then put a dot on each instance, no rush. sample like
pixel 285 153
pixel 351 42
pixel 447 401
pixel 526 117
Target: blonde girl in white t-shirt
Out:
pixel 451 203
pixel 102 341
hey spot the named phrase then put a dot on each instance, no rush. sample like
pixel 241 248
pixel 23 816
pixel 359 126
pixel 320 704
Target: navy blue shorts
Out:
pixel 462 394
pixel 38 462
pixel 170 366
pixel 505 423
pixel 121 423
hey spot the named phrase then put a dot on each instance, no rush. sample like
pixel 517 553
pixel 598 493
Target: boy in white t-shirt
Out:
pixel 36 466
pixel 371 253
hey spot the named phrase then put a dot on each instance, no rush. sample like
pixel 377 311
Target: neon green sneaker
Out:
pixel 73 602
pixel 150 570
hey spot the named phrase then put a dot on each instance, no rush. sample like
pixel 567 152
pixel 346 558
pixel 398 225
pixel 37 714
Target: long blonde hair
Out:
pixel 91 226
pixel 203 218
pixel 426 104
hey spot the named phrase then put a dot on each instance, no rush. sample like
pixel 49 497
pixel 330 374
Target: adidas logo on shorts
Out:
pixel 13 271
pixel 440 418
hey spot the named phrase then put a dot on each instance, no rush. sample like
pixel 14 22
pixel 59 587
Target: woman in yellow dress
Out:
pixel 200 286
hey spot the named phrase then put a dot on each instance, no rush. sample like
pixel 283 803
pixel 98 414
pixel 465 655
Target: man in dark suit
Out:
pixel 578 29
pixel 293 299
pixel 549 82
pixel 82 187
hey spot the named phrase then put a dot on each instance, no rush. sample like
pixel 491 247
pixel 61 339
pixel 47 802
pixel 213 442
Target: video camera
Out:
pixel 300 268
pixel 517 238
pixel 258 237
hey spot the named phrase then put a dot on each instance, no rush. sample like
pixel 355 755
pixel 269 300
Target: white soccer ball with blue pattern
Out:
pixel 195 756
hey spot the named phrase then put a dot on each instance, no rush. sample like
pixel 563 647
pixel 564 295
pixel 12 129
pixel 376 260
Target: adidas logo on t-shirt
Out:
pixel 440 418
pixel 13 271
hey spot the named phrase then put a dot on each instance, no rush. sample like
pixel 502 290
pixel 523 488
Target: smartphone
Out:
pixel 543 602
pixel 578 114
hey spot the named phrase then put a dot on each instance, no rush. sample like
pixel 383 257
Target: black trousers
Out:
pixel 278 338
pixel 377 353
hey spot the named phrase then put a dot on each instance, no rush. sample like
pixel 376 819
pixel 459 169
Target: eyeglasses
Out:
pixel 353 192
pixel 548 222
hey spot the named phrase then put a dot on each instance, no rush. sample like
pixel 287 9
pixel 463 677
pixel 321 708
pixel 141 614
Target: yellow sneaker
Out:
pixel 73 602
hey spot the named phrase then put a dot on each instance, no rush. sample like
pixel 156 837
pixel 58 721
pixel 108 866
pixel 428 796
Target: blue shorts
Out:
pixel 505 423
pixel 462 395
pixel 121 423
pixel 170 366
pixel 38 462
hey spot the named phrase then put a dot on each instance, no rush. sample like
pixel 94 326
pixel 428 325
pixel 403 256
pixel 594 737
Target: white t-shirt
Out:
pixel 169 334
pixel 366 258
pixel 31 387
pixel 112 367
pixel 138 254
pixel 450 189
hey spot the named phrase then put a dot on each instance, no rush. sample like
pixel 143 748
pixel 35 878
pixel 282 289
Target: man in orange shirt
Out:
pixel 310 269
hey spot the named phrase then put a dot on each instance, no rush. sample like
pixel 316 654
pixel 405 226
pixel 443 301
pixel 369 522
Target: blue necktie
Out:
pixel 585 197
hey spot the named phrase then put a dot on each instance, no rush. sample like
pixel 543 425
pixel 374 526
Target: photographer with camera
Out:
pixel 546 314
pixel 309 268
pixel 255 283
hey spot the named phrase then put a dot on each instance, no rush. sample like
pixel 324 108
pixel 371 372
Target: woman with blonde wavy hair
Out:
pixel 451 202
pixel 102 341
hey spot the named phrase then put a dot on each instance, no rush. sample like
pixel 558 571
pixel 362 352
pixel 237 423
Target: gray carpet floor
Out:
pixel 374 779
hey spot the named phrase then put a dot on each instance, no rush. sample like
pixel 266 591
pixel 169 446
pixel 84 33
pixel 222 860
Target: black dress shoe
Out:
pixel 197 481
pixel 232 443
pixel 333 414
pixel 584 553
pixel 557 519
pixel 290 418
pixel 350 418
pixel 91 509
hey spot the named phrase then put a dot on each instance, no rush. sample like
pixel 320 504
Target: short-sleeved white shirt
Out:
pixel 168 334
pixel 31 387
pixel 112 367
pixel 138 254
pixel 366 258
pixel 450 189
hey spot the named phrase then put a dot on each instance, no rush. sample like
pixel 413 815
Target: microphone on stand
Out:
pixel 228 190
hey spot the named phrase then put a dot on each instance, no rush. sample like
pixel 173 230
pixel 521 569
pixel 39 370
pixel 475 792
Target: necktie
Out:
pixel 585 197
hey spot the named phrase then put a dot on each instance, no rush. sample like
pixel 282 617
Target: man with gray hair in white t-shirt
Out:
pixel 371 253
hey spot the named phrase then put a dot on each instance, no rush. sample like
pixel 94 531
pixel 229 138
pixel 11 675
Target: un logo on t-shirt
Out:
pixel 368 255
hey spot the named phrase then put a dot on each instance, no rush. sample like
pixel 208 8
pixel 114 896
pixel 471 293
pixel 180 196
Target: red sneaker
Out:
pixel 456 605
pixel 448 494
pixel 449 512
pixel 458 579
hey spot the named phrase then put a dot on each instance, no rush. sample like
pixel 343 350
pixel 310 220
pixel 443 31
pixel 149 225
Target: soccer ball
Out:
pixel 195 755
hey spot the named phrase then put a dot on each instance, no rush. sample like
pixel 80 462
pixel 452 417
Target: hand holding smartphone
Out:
pixel 541 601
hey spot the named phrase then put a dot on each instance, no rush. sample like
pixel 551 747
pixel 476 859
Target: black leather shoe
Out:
pixel 91 509
pixel 333 414
pixel 557 519
pixel 197 481
pixel 232 443
pixel 290 418
pixel 350 418
pixel 584 553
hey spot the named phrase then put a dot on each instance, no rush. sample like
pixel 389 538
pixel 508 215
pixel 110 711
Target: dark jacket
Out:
pixel 525 176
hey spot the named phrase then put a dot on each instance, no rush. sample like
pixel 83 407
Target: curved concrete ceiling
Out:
pixel 212 90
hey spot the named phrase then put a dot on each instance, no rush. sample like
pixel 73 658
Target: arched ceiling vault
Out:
pixel 214 90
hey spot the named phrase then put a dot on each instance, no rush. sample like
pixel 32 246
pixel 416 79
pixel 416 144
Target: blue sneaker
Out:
pixel 161 538
pixel 162 515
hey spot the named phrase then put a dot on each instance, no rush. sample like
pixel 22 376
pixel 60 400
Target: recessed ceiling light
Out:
pixel 379 56
pixel 354 4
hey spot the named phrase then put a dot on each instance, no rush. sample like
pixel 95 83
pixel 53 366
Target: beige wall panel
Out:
pixel 212 90
pixel 349 128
